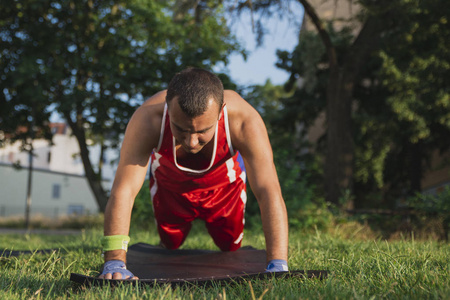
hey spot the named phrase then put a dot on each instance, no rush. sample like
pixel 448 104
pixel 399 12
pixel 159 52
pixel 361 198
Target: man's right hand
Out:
pixel 116 269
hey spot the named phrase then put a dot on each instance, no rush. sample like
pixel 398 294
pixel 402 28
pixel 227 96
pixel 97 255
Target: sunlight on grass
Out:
pixel 359 268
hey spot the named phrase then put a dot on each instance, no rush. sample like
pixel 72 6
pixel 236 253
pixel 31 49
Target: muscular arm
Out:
pixel 141 137
pixel 249 136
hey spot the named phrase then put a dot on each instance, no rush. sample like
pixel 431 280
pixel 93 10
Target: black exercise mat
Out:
pixel 155 265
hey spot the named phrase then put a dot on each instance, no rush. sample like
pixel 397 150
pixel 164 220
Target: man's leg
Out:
pixel 173 218
pixel 173 235
pixel 225 222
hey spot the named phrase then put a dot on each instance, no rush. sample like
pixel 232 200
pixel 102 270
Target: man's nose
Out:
pixel 191 140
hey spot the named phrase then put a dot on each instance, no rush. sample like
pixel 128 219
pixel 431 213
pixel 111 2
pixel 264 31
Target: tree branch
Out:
pixel 331 51
pixel 367 40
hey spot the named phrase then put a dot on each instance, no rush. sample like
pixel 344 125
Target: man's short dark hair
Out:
pixel 194 87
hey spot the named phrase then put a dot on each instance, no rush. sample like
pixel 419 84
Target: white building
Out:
pixel 59 186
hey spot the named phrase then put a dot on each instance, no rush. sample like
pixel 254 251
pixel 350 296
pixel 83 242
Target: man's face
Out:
pixel 193 133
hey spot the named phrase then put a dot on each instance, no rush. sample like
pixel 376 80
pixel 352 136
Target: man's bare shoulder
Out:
pixel 232 99
pixel 157 98
pixel 151 111
pixel 145 124
pixel 244 121
pixel 237 107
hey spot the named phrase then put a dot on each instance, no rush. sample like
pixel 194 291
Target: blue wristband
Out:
pixel 277 265
pixel 116 266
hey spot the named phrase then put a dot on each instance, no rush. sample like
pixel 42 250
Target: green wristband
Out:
pixel 115 242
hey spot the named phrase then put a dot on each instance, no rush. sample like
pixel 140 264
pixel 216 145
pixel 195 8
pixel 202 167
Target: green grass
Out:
pixel 368 268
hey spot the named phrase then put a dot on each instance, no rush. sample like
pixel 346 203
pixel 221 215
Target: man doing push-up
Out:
pixel 202 143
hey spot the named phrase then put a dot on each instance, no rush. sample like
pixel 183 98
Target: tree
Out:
pixel 399 108
pixel 22 98
pixel 382 90
pixel 414 64
pixel 307 65
pixel 95 61
pixel 342 78
pixel 401 116
pixel 296 168
pixel 342 75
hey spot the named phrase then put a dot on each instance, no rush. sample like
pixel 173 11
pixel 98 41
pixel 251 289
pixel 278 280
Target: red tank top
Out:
pixel 224 168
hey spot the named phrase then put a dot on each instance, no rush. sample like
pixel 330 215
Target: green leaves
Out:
pixel 96 61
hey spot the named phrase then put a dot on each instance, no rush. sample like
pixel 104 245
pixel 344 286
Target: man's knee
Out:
pixel 171 244
pixel 173 236
pixel 230 246
pixel 225 240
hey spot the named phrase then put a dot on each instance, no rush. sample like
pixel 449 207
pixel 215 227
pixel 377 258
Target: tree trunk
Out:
pixel 93 178
pixel 342 79
pixel 101 159
pixel 414 161
pixel 339 155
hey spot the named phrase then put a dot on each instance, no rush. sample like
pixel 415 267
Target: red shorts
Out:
pixel 222 210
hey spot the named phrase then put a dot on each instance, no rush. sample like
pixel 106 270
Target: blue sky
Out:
pixel 260 64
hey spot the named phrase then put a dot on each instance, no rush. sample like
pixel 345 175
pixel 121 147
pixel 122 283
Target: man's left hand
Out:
pixel 277 265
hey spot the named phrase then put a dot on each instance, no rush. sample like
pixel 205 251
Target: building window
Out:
pixel 56 193
pixel 75 210
pixel 49 157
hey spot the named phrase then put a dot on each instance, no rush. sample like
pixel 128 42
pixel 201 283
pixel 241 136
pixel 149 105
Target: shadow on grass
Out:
pixel 29 287
pixel 85 248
